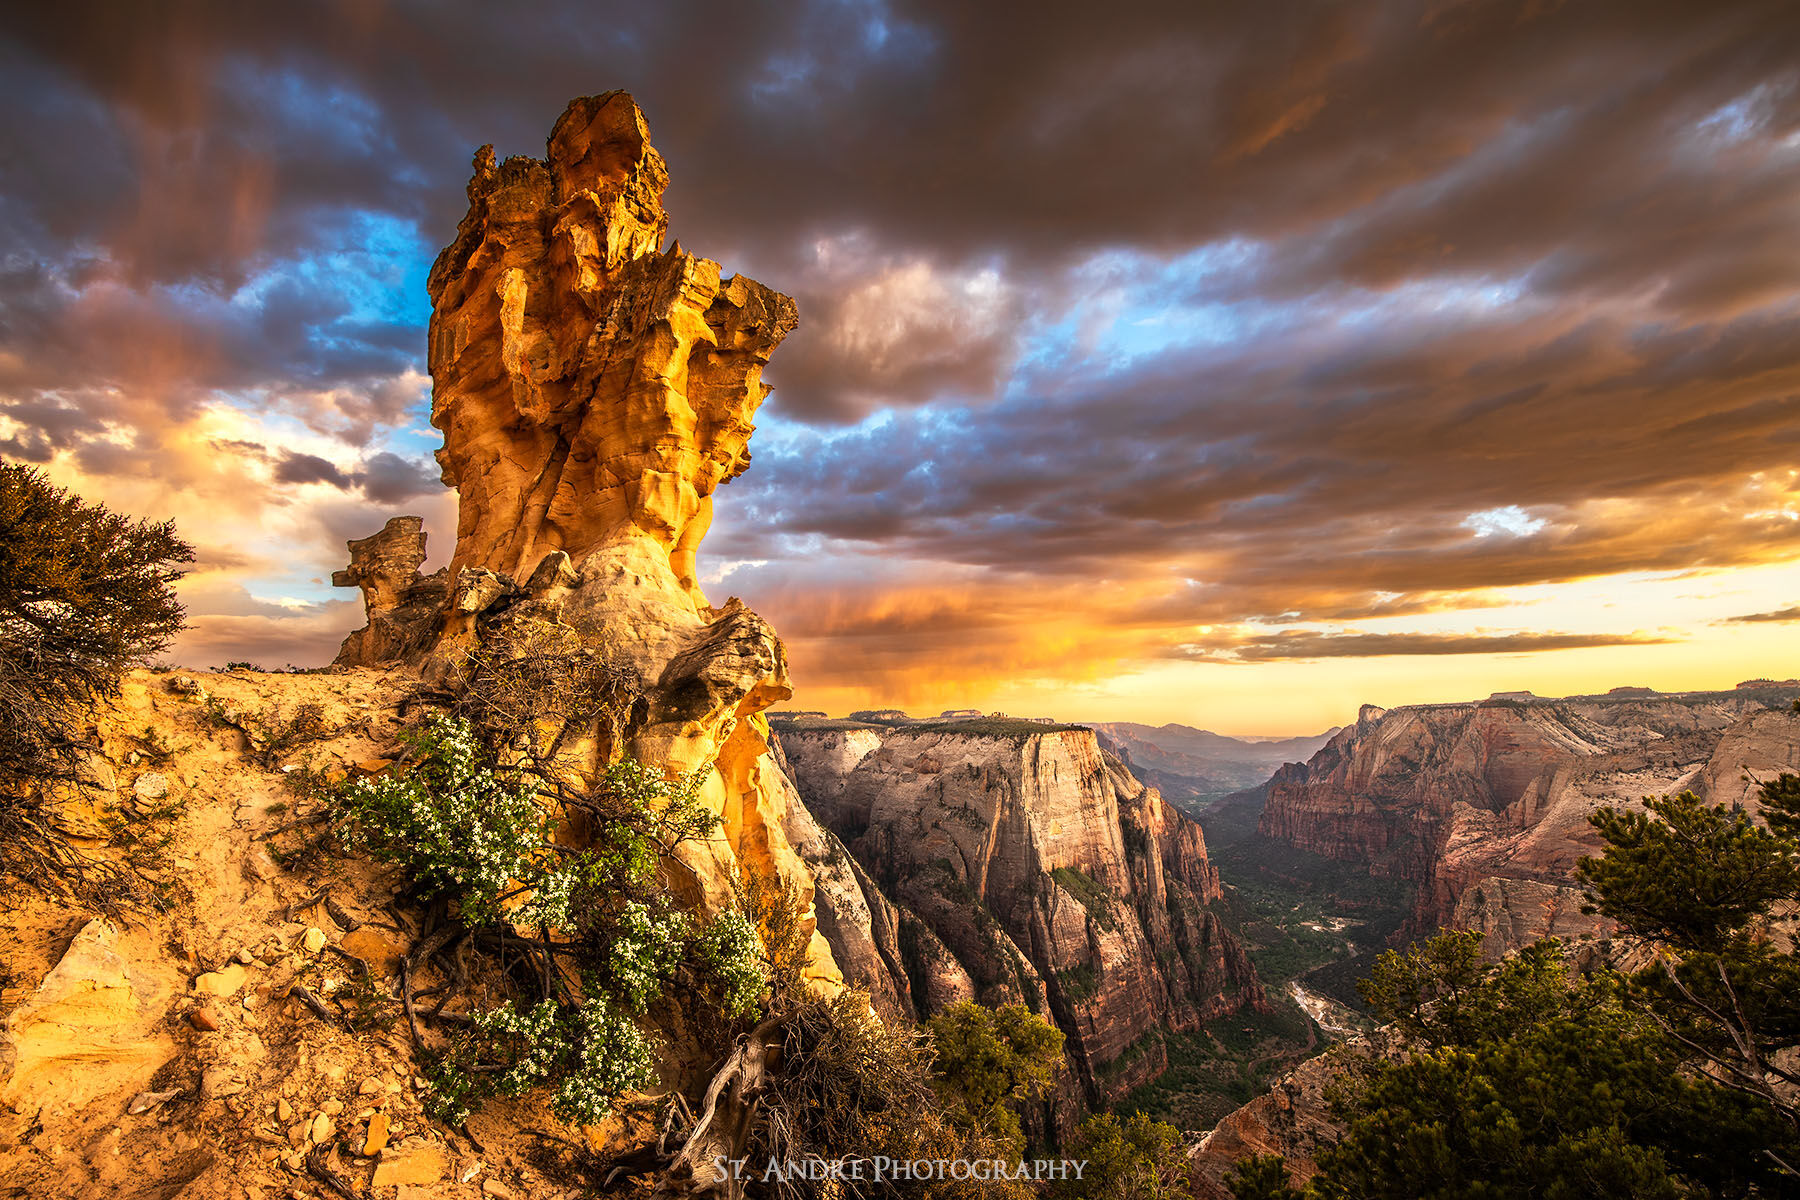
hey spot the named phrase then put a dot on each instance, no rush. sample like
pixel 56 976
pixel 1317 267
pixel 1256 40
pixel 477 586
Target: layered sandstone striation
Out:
pixel 1485 805
pixel 594 389
pixel 1029 866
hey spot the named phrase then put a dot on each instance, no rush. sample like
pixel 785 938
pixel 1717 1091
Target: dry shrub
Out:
pixel 85 595
pixel 851 1087
pixel 779 911
pixel 281 736
pixel 36 856
pixel 537 684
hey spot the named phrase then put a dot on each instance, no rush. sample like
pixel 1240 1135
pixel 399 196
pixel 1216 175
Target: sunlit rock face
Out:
pixel 1029 866
pixel 403 606
pixel 594 390
pixel 1485 805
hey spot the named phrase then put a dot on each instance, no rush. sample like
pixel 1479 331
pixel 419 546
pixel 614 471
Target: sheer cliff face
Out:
pixel 1034 868
pixel 1485 806
pixel 594 390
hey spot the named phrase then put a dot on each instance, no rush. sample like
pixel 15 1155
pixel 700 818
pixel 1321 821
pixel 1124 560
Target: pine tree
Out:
pixel 1708 891
pixel 1529 1078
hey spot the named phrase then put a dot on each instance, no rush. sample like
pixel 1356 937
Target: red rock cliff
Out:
pixel 1485 805
pixel 1034 867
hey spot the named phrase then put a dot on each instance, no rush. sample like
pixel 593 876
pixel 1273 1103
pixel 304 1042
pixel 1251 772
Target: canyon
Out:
pixel 595 389
pixel 1193 767
pixel 1483 806
pixel 1018 862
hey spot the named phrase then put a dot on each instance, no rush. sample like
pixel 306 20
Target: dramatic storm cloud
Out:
pixel 1230 363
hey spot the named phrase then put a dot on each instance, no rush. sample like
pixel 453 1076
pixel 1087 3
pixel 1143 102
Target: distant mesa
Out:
pixel 896 716
pixel 1512 696
pixel 1757 685
pixel 1636 691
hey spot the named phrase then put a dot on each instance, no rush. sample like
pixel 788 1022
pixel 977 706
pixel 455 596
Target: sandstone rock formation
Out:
pixel 592 387
pixel 1029 866
pixel 403 607
pixel 90 1027
pixel 1484 805
pixel 594 390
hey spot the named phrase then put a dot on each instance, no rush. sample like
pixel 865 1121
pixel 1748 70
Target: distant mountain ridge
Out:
pixel 1191 765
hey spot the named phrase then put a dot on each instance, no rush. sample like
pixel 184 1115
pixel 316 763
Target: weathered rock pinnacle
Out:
pixel 593 388
pixel 403 606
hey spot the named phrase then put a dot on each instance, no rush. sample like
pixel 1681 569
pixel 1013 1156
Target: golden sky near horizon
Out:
pixel 1392 353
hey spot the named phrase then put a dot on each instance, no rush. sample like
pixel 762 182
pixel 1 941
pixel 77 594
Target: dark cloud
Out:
pixel 1282 647
pixel 1192 314
pixel 386 479
pixel 1586 147
pixel 269 640
pixel 309 468
pixel 1780 614
pixel 389 479
pixel 1299 470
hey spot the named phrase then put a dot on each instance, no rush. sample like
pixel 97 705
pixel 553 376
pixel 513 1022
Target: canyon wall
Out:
pixel 1026 865
pixel 1484 805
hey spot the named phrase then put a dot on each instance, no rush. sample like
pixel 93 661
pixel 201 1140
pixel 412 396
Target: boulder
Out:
pixel 89 1030
pixel 413 1162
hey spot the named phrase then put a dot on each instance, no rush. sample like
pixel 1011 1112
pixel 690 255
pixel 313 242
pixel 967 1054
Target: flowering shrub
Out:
pixel 467 830
pixel 610 1056
pixel 591 1052
pixel 458 826
pixel 644 950
pixel 666 810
